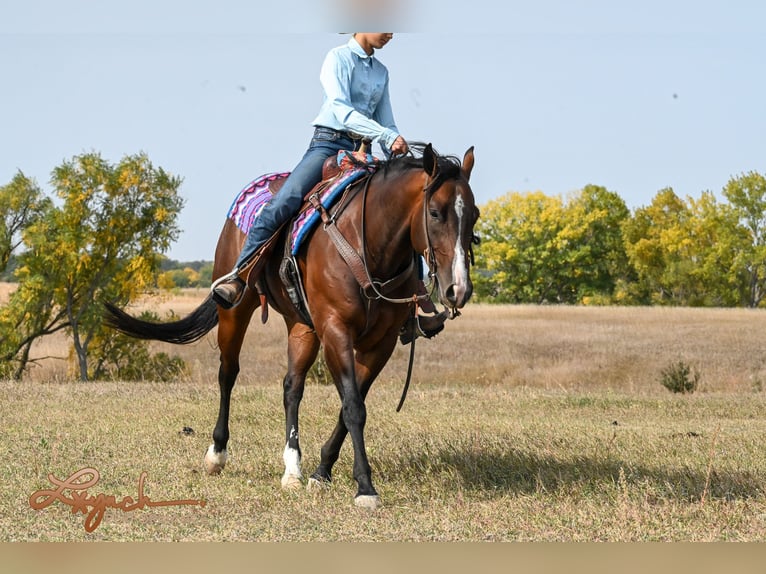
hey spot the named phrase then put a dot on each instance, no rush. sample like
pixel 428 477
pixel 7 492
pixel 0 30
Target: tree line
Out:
pixel 102 234
pixel 589 248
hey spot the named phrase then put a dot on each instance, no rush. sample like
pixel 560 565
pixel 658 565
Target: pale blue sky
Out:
pixel 554 95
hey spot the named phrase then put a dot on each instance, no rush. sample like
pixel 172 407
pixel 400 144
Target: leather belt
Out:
pixel 350 135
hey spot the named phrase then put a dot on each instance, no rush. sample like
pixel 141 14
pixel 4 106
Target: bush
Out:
pixel 158 367
pixel 123 358
pixel 678 377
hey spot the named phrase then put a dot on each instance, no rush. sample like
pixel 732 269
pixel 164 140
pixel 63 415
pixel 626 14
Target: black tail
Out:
pixel 187 330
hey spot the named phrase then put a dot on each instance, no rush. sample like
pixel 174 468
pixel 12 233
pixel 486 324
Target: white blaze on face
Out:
pixel 459 270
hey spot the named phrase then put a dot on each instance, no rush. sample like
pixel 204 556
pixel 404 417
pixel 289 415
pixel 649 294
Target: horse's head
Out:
pixel 449 216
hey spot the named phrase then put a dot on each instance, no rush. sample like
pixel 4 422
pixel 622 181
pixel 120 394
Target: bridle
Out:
pixel 361 270
pixel 428 252
pixel 372 289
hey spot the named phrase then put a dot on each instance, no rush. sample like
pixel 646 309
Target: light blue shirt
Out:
pixel 356 95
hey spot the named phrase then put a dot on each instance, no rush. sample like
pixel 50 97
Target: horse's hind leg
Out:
pixel 231 333
pixel 302 348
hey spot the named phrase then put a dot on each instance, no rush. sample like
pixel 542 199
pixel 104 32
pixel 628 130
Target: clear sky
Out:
pixel 553 94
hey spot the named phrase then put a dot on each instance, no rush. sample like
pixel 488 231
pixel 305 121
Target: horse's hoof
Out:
pixel 291 482
pixel 368 501
pixel 317 485
pixel 215 461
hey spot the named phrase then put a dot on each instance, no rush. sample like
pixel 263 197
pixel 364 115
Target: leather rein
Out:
pixel 427 254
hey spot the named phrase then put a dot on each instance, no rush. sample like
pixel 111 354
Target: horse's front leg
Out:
pixel 367 368
pixel 353 416
pixel 302 348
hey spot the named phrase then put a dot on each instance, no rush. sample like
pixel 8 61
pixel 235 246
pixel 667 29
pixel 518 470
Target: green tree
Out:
pixel 747 196
pixel 206 274
pixel 716 247
pixel 101 243
pixel 602 261
pixel 178 278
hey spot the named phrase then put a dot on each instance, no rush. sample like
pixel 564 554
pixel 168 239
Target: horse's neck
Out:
pixel 394 206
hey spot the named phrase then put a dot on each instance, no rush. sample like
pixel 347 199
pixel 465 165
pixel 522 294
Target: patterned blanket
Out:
pixel 250 201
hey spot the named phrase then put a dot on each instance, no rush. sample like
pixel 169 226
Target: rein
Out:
pixel 430 259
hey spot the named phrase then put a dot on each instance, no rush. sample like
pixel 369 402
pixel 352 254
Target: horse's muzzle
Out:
pixel 458 294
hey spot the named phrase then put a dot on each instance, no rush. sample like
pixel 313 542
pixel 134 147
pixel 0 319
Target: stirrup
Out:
pixel 238 284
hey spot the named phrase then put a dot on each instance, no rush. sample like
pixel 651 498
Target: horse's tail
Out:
pixel 187 330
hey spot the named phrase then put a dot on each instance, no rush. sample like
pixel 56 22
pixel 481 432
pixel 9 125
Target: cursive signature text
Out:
pixel 93 507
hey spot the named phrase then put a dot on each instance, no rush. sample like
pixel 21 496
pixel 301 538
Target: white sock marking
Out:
pixel 215 461
pixel 292 459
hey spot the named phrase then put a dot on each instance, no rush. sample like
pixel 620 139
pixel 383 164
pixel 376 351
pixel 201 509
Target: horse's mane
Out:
pixel 449 166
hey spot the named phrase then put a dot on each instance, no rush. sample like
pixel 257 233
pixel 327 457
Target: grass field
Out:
pixel 523 423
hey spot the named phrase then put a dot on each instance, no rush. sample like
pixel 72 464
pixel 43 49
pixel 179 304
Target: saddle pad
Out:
pixel 307 220
pixel 249 202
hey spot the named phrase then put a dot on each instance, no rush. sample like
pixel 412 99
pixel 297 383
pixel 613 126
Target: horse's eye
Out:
pixel 434 213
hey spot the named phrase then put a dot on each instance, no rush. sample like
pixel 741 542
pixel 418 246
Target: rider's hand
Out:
pixel 400 146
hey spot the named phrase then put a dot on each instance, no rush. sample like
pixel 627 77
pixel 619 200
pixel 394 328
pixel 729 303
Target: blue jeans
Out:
pixel 288 200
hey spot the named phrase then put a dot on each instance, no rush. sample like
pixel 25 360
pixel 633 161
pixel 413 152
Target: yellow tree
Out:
pixel 21 203
pixel 687 252
pixel 656 237
pixel 102 242
pixel 519 233
pixel 536 248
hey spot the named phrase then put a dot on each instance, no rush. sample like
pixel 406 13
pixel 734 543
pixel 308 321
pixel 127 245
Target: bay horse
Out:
pixel 414 204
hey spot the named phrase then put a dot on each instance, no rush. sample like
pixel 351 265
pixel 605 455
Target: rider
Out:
pixel 356 107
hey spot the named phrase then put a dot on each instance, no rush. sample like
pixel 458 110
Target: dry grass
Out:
pixel 523 423
pixel 459 463
pixel 550 347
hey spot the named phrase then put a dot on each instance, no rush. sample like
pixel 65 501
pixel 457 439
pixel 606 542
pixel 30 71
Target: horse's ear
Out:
pixel 430 165
pixel 468 163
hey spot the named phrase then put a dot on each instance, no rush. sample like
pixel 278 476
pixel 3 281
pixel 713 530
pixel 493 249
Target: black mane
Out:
pixel 449 166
